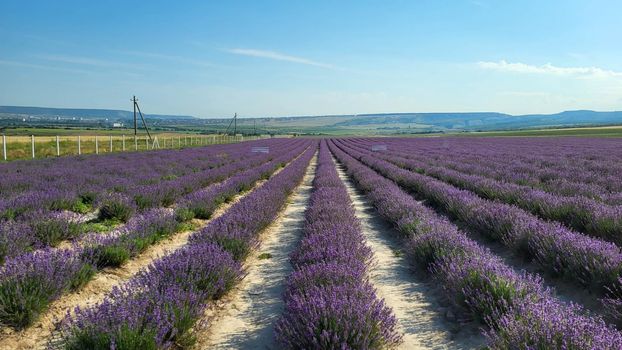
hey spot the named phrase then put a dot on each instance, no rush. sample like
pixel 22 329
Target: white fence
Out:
pixel 22 147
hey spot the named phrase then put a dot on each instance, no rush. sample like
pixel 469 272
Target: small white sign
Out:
pixel 260 149
pixel 376 148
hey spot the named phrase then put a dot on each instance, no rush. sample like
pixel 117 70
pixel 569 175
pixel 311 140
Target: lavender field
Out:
pixel 345 243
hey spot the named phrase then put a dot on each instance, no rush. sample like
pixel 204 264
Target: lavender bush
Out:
pixel 28 283
pixel 235 230
pixel 99 251
pixel 158 307
pixel 571 255
pixel 583 214
pixel 518 310
pixel 328 302
pixel 89 197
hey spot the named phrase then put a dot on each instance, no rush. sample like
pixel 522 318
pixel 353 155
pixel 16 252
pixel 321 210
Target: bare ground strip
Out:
pixel 245 318
pixel 422 318
pixel 38 334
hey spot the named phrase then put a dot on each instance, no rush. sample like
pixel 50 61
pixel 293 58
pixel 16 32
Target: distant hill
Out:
pixel 361 124
pixel 400 123
pixel 82 113
pixel 483 121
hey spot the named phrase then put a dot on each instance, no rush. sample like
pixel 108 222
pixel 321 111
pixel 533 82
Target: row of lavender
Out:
pixel 158 307
pixel 37 228
pixel 504 167
pixel 539 160
pixel 329 303
pixel 113 250
pixel 127 169
pixel 75 179
pixel 518 310
pixel 588 262
pixel 75 184
pixel 578 212
pixel 29 282
pixel 566 166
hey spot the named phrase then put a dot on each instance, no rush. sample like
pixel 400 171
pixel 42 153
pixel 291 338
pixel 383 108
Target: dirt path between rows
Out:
pixel 38 335
pixel 245 318
pixel 565 291
pixel 416 303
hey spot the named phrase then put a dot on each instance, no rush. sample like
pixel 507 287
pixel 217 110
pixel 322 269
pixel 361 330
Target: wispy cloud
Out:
pixel 45 40
pixel 478 3
pixel 85 71
pixel 198 44
pixel 40 66
pixel 88 61
pixel 549 69
pixel 173 58
pixel 278 57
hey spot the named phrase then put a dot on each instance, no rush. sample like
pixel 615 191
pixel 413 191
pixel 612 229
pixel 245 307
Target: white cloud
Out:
pixel 549 69
pixel 278 56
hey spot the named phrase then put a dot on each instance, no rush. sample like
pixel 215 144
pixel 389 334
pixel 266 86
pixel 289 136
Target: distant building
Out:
pixel 117 125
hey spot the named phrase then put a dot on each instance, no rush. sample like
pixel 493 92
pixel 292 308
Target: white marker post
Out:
pixel 110 143
pixel 4 147
pixel 123 141
pixel 96 145
pixel 79 146
pixel 57 146
pixel 32 145
pixel 135 143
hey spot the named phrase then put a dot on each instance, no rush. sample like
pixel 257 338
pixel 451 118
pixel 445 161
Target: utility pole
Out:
pixel 233 121
pixel 137 107
pixel 134 101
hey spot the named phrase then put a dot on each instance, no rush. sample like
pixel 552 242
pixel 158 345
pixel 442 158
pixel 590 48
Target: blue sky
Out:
pixel 278 58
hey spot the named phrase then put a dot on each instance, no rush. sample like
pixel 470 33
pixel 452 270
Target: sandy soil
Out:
pixel 37 335
pixel 245 318
pixel 425 323
pixel 565 291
